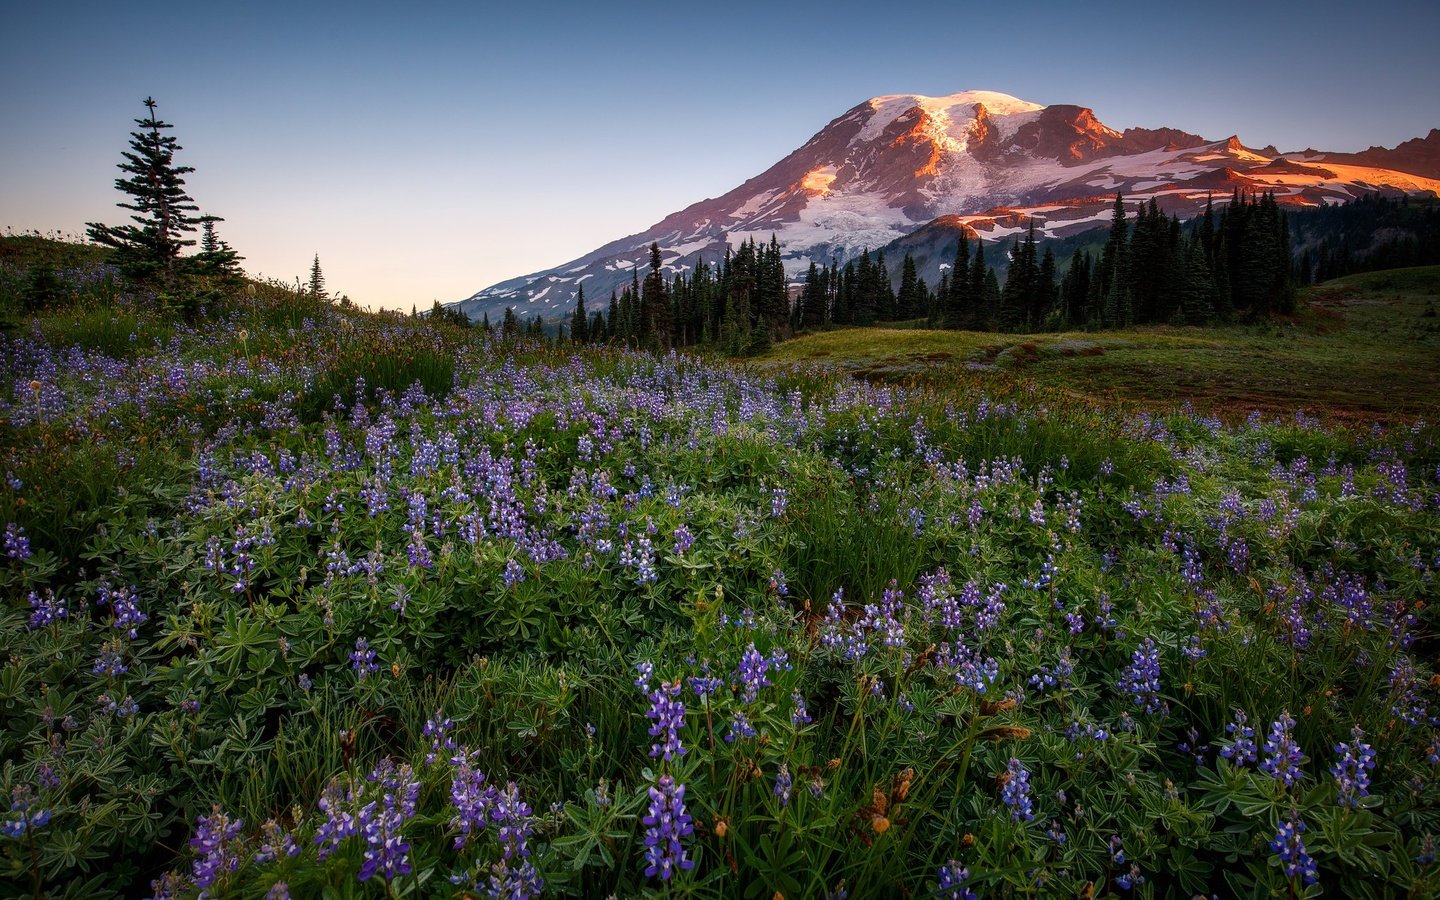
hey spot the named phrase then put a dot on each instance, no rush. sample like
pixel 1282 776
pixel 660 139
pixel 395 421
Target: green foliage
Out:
pixel 509 540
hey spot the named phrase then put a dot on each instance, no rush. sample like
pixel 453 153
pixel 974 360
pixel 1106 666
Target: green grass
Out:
pixel 1361 348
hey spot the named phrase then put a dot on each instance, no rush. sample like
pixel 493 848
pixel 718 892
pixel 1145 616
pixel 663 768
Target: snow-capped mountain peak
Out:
pixel 892 164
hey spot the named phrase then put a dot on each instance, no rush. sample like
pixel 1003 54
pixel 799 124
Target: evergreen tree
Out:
pixel 1075 291
pixel 908 301
pixel 772 295
pixel 1046 296
pixel 656 324
pixel 149 250
pixel 981 301
pixel 959 302
pixel 1106 285
pixel 1197 287
pixel 812 299
pixel 883 291
pixel 316 289
pixel 216 260
pixel 1015 296
pixel 990 296
pixel 579 322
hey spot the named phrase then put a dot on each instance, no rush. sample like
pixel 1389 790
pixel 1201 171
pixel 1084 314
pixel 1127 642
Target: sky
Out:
pixel 425 151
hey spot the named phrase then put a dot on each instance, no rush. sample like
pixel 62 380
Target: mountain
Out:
pixel 897 163
pixel 1418 156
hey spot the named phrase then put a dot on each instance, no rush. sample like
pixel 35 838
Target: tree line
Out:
pixel 1367 234
pixel 1233 262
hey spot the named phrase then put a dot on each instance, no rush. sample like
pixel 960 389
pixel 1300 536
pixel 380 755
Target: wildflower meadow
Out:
pixel 303 601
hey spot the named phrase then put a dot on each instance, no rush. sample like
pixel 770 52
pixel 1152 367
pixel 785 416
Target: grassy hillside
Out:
pixel 1363 347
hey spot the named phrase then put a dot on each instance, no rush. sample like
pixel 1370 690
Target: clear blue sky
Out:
pixel 425 151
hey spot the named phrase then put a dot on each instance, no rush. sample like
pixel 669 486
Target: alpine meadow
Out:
pixel 982 501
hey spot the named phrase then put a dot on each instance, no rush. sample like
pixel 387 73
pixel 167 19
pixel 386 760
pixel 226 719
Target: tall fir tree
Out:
pixel 579 322
pixel 959 300
pixel 981 276
pixel 148 251
pixel 1046 291
pixel 656 321
pixel 316 288
pixel 216 261
pixel 907 302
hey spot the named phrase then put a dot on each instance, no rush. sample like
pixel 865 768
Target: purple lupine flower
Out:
pixel 214 841
pixel 1352 769
pixel 45 610
pixel 832 629
pixel 16 545
pixel 970 668
pixel 1049 677
pixel 1242 749
pixel 340 805
pixel 1283 756
pixel 1192 746
pixel 952 882
pixel 740 728
pixel 1290 847
pixel 886 617
pixel 1407 702
pixel 799 715
pixel 278 891
pixel 111 661
pixel 667 712
pixel 1426 856
pixel 23 816
pixel 666 824
pixel 752 673
pixel 438 730
pixel 387 853
pixel 705 683
pixel 783 784
pixel 170 886
pixel 1106 617
pixel 472 798
pixel 644 671
pixel 125 611
pixel 363 659
pixel 778 585
pixel 276 842
pixel 513 817
pixel 514 876
pixel 515 882
pixel 1130 878
pixel 1141 679
pixel 1117 850
pixel 779 499
pixel 418 552
pixel 1016 791
pixel 684 540
pixel 988 616
pixel 513 573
